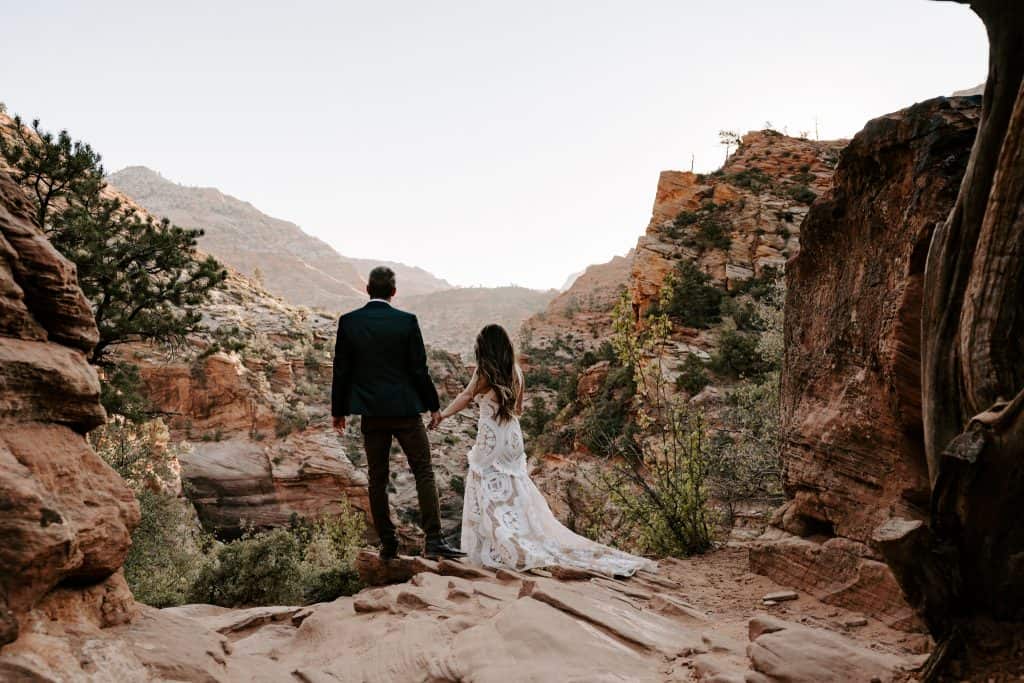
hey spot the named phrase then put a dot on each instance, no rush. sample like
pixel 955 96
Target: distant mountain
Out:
pixel 412 280
pixel 304 270
pixel 584 308
pixel 569 281
pixel 289 262
pixel 451 318
pixel 976 90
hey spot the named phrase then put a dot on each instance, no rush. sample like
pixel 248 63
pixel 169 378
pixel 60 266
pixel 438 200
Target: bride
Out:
pixel 505 520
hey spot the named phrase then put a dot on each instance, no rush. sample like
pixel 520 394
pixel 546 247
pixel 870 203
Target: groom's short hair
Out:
pixel 381 283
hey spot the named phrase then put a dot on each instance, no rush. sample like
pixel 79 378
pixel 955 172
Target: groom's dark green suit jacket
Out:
pixel 380 365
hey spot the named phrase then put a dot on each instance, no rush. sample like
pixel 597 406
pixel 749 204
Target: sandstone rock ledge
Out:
pixel 852 439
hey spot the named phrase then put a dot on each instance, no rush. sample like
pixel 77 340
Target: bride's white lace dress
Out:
pixel 506 522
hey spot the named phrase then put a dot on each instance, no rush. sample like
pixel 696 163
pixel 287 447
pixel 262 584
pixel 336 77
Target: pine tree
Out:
pixel 143 277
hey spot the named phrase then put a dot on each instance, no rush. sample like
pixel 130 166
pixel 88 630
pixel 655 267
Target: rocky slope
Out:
pixel 452 318
pixel 737 226
pixel 582 311
pixel 248 407
pixel 291 263
pixel 851 413
pixel 305 271
pixel 414 280
pixel 762 193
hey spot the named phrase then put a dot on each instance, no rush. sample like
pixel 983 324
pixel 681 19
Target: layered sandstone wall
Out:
pixel 65 516
pixel 851 413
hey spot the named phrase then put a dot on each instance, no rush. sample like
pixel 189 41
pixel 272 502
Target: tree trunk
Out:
pixel 965 571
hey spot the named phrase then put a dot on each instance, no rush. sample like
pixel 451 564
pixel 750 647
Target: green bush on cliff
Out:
pixel 606 424
pixel 167 550
pixel 653 498
pixel 262 569
pixel 690 296
pixel 739 356
pixel 692 377
pixel 304 563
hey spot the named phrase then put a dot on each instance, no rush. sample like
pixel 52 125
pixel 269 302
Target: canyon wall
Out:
pixel 851 415
pixel 65 516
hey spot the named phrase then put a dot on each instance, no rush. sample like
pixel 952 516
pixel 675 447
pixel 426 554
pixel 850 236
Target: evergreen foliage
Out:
pixel 691 296
pixel 143 277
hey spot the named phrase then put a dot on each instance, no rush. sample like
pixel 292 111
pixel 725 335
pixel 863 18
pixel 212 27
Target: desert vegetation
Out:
pixel 173 561
pixel 668 472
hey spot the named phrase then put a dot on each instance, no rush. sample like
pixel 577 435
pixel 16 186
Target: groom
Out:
pixel 380 372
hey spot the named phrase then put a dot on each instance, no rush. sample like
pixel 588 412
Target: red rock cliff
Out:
pixel 66 516
pixel 851 415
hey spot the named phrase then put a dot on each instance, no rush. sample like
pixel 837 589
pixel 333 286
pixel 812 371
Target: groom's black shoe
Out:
pixel 388 551
pixel 435 550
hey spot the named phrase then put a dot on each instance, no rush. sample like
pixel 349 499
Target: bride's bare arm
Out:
pixel 462 400
pixel 521 390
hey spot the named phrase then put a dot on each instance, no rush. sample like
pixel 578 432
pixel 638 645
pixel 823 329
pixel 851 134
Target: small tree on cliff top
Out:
pixel 143 277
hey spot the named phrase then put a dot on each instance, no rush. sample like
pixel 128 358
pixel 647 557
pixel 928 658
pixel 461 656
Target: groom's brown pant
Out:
pixel 378 433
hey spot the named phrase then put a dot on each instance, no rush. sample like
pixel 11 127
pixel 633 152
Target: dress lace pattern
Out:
pixel 506 522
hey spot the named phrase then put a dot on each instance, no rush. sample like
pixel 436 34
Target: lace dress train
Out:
pixel 506 522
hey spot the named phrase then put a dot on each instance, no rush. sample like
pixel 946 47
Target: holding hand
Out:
pixel 435 419
pixel 339 424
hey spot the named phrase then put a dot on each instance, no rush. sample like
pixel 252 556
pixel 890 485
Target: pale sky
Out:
pixel 489 142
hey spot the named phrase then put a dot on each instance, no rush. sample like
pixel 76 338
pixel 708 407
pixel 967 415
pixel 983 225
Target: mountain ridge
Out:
pixel 290 262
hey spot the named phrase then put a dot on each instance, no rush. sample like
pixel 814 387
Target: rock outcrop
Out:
pixel 582 312
pixel 66 516
pixel 248 408
pixel 851 413
pixel 761 194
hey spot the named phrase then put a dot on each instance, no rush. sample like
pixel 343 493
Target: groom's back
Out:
pixel 380 364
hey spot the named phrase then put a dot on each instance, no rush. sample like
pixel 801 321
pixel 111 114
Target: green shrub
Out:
pixel 653 496
pixel 294 417
pixel 166 555
pixel 329 548
pixel 606 425
pixel 758 286
pixel 745 463
pixel 659 496
pixel 692 377
pixel 306 562
pixel 739 356
pixel 261 569
pixel 122 393
pixel 802 194
pixel 752 179
pixel 536 417
pixel 689 296
pixel 713 235
pixel 742 313
pixel 712 230
pixel 457 484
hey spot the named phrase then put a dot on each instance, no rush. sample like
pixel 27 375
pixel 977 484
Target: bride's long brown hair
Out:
pixel 495 364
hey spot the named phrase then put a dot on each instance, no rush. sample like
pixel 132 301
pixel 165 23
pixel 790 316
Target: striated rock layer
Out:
pixel 65 516
pixel 851 414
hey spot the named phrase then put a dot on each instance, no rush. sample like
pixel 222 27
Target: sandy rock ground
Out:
pixel 697 619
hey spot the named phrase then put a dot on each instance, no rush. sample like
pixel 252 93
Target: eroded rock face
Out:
pixel 584 310
pixel 851 414
pixel 65 516
pixel 760 195
pixel 251 426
